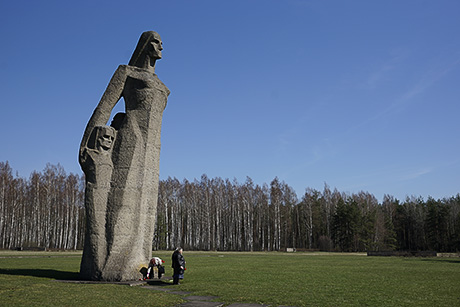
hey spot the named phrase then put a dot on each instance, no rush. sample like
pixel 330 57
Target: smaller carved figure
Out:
pixel 96 159
pixel 117 120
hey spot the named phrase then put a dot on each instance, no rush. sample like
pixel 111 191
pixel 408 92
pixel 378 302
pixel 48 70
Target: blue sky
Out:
pixel 361 95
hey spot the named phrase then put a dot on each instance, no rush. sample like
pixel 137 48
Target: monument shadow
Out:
pixel 45 273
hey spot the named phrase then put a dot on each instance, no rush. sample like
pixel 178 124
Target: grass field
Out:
pixel 295 279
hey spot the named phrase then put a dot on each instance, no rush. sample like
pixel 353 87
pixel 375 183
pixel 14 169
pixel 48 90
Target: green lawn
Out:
pixel 32 281
pixel 296 279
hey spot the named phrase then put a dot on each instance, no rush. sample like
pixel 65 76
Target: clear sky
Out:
pixel 361 95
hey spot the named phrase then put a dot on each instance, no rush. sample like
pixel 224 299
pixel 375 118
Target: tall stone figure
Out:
pixel 121 166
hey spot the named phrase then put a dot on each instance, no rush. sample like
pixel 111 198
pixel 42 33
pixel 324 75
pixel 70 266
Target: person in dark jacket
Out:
pixel 178 264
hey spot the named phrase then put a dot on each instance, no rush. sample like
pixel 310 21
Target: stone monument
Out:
pixel 121 166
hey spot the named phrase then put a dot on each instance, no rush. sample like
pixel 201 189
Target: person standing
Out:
pixel 178 264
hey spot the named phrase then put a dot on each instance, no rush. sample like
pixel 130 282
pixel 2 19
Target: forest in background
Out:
pixel 47 211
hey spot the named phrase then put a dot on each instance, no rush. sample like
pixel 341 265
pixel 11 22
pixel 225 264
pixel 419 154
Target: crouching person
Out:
pixel 158 263
pixel 178 264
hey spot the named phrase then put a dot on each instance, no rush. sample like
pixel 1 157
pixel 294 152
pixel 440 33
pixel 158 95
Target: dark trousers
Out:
pixel 177 275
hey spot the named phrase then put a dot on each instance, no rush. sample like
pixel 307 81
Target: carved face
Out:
pixel 148 50
pixel 105 139
pixel 155 47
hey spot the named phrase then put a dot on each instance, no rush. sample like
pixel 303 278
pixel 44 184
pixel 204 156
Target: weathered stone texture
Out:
pixel 122 179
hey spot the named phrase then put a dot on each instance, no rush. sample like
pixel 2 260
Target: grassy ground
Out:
pixel 32 280
pixel 296 279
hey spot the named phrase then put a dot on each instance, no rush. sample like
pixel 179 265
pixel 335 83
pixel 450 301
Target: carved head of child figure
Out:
pixel 105 138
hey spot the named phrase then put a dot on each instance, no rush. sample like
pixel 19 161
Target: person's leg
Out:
pixel 176 277
pixel 160 271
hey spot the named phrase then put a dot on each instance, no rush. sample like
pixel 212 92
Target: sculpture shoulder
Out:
pixel 120 74
pixel 123 68
pixel 132 71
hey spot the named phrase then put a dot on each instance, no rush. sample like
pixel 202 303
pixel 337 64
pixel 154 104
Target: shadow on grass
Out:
pixel 158 282
pixel 54 274
pixel 71 276
pixel 457 261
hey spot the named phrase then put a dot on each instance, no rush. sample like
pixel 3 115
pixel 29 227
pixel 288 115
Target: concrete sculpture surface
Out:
pixel 121 166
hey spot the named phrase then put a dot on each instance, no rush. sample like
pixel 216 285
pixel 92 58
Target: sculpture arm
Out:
pixel 110 98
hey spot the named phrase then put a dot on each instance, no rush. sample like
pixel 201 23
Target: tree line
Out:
pixel 44 211
pixel 217 214
pixel 47 211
